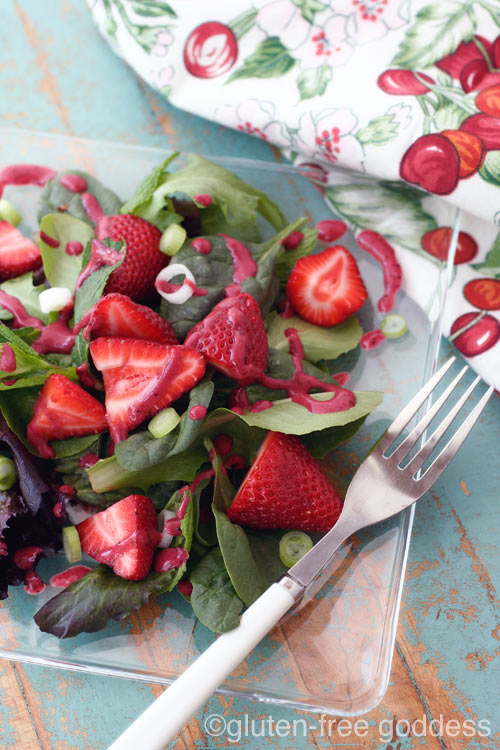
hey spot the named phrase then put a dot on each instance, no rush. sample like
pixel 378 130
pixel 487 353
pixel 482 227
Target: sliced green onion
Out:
pixel 293 546
pixel 164 422
pixel 394 326
pixel 172 239
pixel 8 473
pixel 9 213
pixel 71 544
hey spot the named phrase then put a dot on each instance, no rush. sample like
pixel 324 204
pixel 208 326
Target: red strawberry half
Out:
pixel 326 288
pixel 18 254
pixel 118 315
pixel 141 378
pixel 233 339
pixel 62 410
pixel 123 536
pixel 285 489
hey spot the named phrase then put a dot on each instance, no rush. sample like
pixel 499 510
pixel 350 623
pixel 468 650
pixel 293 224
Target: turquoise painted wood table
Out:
pixel 58 75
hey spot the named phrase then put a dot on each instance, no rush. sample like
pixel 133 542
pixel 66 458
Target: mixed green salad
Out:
pixel 168 389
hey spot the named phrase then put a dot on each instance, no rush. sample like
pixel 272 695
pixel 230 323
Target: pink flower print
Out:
pixel 327 45
pixel 255 118
pixel 370 19
pixel 329 137
pixel 163 40
pixel 163 77
pixel 283 19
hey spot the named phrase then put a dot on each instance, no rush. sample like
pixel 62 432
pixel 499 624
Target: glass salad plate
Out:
pixel 333 653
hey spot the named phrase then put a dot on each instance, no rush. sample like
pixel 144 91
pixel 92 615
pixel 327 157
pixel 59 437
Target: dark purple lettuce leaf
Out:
pixel 26 517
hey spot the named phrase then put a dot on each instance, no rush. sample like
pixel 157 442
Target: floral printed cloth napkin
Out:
pixel 403 96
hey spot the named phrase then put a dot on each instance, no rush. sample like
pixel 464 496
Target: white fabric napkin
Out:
pixel 402 96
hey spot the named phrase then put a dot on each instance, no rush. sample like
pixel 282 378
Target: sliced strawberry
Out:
pixel 285 489
pixel 123 536
pixel 326 288
pixel 233 339
pixel 141 378
pixel 18 254
pixel 62 410
pixel 117 315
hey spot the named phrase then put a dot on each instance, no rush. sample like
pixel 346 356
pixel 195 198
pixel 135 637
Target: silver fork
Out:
pixel 381 488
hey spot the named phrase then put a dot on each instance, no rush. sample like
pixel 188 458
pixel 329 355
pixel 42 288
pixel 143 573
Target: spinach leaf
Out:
pixel 294 419
pixel 318 342
pixel 60 268
pixel 322 442
pixel 265 548
pixel 214 600
pixel 145 192
pixel 141 450
pixel 54 196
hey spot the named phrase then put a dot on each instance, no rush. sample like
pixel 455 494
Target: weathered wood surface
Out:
pixel 58 75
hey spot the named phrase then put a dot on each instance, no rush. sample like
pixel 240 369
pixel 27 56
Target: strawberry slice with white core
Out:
pixel 18 254
pixel 62 410
pixel 117 315
pixel 123 536
pixel 326 288
pixel 141 378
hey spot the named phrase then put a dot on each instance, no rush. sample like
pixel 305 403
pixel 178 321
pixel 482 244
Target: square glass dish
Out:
pixel 333 653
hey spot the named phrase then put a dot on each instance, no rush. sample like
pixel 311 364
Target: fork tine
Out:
pixel 411 409
pixel 408 443
pixel 443 459
pixel 429 445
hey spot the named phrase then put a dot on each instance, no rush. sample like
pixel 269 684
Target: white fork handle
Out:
pixel 163 720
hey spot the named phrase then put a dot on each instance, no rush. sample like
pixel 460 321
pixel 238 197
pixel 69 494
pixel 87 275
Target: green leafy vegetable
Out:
pixel 28 295
pixel 318 342
pixel 60 268
pixel 86 605
pixel 142 450
pixel 54 197
pixel 90 292
pixel 322 442
pixel 144 193
pixel 234 206
pixel 294 419
pixel 214 600
pixel 31 368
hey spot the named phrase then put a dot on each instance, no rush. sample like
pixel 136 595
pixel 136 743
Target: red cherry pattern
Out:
pixel 483 293
pixel 210 50
pixel 437 241
pixel 432 162
pixel 482 334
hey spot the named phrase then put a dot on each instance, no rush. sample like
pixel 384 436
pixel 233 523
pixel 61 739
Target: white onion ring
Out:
pixel 180 295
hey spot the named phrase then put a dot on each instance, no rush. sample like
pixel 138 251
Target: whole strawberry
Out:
pixel 143 260
pixel 285 488
pixel 233 339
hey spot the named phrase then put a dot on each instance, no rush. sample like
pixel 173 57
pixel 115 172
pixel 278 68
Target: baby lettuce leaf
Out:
pixel 318 342
pixel 294 419
pixel 142 450
pixel 54 197
pixel 234 206
pixel 145 192
pixel 28 295
pixel 215 602
pixel 31 479
pixel 90 292
pixel 60 268
pixel 87 605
